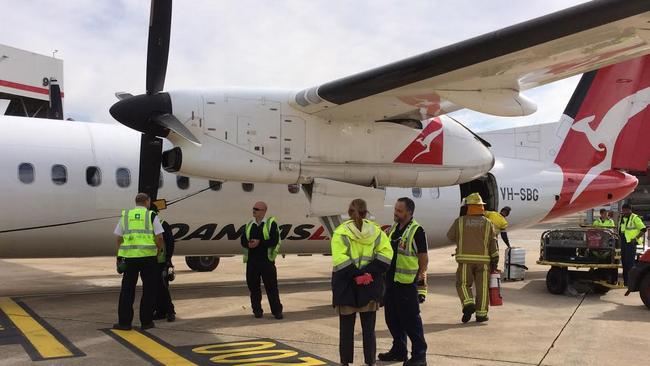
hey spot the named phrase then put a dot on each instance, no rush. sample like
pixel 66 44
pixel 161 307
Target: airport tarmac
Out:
pixel 59 311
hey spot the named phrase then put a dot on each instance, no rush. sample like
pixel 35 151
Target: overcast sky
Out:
pixel 278 44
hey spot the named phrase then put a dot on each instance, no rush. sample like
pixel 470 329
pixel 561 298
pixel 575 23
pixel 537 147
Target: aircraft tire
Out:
pixel 202 263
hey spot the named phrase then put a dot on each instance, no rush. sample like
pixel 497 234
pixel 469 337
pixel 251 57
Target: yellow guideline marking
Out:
pixel 152 348
pixel 43 341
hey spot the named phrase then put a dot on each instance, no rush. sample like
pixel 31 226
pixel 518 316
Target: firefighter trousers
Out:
pixel 477 275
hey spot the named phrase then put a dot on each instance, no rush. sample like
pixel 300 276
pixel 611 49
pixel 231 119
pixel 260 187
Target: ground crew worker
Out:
pixel 139 241
pixel 361 255
pixel 477 254
pixel 261 242
pixel 164 308
pixel 603 221
pixel 500 222
pixel 408 266
pixel 632 230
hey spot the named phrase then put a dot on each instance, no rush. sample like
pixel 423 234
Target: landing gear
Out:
pixel 202 263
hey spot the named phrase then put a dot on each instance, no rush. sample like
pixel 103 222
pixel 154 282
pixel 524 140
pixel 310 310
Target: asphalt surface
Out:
pixel 75 302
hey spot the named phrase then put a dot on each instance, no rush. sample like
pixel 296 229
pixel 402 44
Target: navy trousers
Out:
pixel 628 257
pixel 402 311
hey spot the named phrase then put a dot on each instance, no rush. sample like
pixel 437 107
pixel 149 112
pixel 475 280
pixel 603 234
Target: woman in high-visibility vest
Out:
pixel 361 254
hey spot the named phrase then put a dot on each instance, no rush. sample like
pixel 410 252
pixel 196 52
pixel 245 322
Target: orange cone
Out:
pixel 495 289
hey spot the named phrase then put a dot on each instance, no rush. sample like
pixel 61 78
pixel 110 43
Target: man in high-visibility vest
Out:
pixel 500 222
pixel 603 221
pixel 261 243
pixel 476 254
pixel 139 240
pixel 632 230
pixel 402 300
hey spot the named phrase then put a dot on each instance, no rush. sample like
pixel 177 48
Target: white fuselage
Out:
pixel 75 219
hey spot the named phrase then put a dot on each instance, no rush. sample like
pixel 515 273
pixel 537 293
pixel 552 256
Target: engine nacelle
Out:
pixel 259 137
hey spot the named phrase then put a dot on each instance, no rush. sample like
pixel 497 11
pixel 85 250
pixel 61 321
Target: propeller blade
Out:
pixel 158 47
pixel 150 159
pixel 56 102
pixel 169 121
pixel 123 95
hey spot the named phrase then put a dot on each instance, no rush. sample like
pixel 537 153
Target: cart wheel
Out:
pixel 644 290
pixel 600 289
pixel 557 280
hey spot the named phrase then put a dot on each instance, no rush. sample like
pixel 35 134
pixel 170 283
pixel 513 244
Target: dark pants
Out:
pixel 346 337
pixel 145 268
pixel 628 257
pixel 264 271
pixel 402 310
pixel 164 303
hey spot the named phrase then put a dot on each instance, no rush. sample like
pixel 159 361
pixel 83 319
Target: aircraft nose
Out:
pixel 466 151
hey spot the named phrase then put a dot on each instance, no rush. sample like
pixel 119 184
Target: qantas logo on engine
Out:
pixel 427 148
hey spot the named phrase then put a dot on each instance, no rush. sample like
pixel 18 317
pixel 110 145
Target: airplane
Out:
pixel 66 182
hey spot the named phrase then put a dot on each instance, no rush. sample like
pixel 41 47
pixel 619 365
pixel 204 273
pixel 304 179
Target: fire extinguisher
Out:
pixel 495 288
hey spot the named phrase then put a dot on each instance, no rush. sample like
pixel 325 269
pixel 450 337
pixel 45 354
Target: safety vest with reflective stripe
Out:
pixel 407 264
pixel 631 227
pixel 138 238
pixel 348 249
pixel 469 252
pixel 266 227
pixel 605 224
pixel 162 253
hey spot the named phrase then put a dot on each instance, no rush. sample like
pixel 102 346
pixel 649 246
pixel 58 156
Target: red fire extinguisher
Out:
pixel 495 288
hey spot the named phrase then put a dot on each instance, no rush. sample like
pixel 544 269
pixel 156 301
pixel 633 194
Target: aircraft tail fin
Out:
pixel 607 121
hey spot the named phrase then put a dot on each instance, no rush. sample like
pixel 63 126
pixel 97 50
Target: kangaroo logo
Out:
pixel 603 138
pixel 427 146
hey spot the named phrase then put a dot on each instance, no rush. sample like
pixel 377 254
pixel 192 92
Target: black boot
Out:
pixel 468 310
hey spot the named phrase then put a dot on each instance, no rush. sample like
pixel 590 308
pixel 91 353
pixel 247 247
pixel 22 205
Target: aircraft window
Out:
pixel 294 188
pixel 183 182
pixel 123 177
pixel 215 185
pixel 93 176
pixel 59 174
pixel 26 173
pixel 435 192
pixel 161 180
pixel 417 192
pixel 247 187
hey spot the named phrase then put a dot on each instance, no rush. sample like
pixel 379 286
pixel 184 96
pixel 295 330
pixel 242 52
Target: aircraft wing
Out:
pixel 487 73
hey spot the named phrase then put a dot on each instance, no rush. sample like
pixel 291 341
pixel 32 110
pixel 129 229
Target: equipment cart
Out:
pixel 585 258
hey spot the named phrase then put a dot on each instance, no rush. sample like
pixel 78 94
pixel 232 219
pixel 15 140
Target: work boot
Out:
pixel 278 316
pixel 416 362
pixel 147 326
pixel 171 317
pixel 468 310
pixel 258 314
pixel 390 356
pixel 481 319
pixel 159 316
pixel 119 326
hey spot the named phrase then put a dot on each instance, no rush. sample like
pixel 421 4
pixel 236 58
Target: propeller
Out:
pixel 151 113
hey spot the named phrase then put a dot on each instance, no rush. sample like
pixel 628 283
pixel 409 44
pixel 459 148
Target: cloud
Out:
pixel 283 44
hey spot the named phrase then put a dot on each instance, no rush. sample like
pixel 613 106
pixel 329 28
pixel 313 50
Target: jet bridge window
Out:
pixel 59 174
pixel 183 182
pixel 93 176
pixel 123 177
pixel 26 173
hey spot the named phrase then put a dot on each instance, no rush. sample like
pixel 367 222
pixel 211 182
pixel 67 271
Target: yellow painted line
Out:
pixel 43 341
pixel 152 348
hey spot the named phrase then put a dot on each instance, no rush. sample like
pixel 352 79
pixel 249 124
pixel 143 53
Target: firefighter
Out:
pixel 632 230
pixel 361 254
pixel 139 240
pixel 406 286
pixel 477 255
pixel 261 243
pixel 603 221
